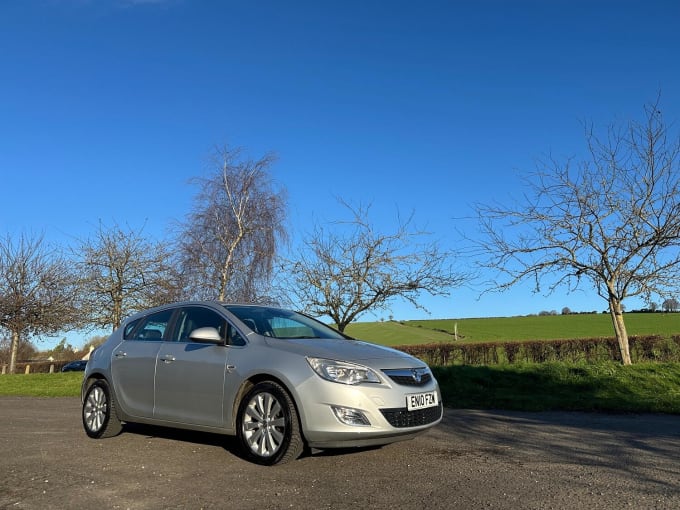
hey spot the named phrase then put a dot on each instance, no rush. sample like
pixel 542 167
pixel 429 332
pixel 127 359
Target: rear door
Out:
pixel 133 366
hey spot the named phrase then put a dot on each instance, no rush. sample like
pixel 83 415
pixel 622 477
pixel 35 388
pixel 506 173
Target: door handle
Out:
pixel 120 354
pixel 168 358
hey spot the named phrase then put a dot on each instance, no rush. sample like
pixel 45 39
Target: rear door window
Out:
pixel 152 327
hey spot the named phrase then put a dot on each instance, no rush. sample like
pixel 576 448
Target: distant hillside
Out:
pixel 395 333
pixel 512 328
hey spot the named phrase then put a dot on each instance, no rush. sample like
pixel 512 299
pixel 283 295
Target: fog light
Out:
pixel 350 416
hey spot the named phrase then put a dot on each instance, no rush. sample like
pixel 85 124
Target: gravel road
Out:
pixel 474 459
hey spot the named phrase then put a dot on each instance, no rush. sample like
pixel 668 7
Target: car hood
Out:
pixel 346 350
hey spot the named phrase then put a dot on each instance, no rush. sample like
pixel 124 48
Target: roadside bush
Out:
pixel 590 350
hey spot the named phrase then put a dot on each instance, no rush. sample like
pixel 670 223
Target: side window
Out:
pixel 127 332
pixel 234 337
pixel 195 317
pixel 152 327
pixel 284 327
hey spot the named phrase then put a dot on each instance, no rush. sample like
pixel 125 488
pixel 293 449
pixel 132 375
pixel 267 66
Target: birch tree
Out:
pixel 230 239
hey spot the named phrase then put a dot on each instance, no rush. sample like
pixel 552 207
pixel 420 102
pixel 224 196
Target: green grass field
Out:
pixel 61 384
pixel 551 327
pixel 611 387
pixel 395 333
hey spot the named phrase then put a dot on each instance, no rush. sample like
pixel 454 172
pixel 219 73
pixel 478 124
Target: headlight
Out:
pixel 343 372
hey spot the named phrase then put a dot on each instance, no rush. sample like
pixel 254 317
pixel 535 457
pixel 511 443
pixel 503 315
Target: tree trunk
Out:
pixel 117 313
pixel 14 348
pixel 226 269
pixel 620 329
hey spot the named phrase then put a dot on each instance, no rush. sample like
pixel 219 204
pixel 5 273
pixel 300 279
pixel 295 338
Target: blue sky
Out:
pixel 109 107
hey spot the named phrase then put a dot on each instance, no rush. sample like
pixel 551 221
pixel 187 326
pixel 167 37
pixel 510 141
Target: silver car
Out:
pixel 278 380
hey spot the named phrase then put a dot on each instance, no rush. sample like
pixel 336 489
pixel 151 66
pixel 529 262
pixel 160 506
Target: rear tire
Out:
pixel 268 426
pixel 99 411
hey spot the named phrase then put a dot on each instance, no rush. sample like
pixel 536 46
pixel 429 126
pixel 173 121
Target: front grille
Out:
pixel 401 417
pixel 409 377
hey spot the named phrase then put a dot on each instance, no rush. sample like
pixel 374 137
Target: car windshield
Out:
pixel 279 323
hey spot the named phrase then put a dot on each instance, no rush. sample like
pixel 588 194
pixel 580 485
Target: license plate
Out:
pixel 417 401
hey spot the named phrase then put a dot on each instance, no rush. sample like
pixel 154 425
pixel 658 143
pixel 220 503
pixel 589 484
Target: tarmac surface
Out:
pixel 474 459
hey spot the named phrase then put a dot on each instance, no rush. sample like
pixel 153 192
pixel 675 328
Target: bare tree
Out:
pixel 230 240
pixel 123 272
pixel 670 305
pixel 38 292
pixel 343 274
pixel 610 221
pixel 24 351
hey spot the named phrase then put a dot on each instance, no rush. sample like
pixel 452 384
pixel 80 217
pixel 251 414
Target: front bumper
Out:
pixel 384 405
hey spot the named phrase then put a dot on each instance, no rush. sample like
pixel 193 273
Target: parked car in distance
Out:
pixel 75 366
pixel 276 379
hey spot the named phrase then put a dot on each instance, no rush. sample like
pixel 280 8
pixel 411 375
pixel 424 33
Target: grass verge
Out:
pixel 66 384
pixel 610 387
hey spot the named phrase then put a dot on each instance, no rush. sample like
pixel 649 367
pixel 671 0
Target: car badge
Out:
pixel 417 375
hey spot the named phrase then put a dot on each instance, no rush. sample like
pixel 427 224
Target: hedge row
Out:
pixel 590 350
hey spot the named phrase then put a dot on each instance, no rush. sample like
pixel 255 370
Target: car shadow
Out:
pixel 228 443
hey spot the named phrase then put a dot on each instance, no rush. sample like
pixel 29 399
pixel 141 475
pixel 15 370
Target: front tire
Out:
pixel 268 426
pixel 99 411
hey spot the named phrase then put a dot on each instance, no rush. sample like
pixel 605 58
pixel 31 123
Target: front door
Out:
pixel 190 375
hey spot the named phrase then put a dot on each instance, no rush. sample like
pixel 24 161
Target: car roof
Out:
pixel 210 303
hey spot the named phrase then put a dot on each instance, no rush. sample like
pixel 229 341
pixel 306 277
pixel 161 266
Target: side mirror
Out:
pixel 206 335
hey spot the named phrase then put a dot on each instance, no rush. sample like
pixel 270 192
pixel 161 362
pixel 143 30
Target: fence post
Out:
pixel 52 368
pixel 4 369
pixel 28 369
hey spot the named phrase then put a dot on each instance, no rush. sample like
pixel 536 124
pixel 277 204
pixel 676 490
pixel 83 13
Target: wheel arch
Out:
pixel 250 382
pixel 98 376
pixel 91 379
